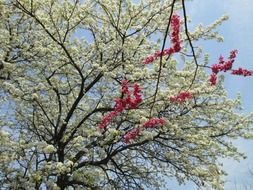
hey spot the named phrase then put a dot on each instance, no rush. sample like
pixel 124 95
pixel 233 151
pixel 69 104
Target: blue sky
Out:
pixel 237 32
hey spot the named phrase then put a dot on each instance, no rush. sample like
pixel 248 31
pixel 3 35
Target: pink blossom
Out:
pixel 124 87
pixel 174 38
pixel 120 105
pixel 221 60
pixel 216 68
pixel 228 65
pixel 131 101
pixel 168 51
pixel 149 59
pixel 213 79
pixel 130 135
pixel 107 119
pixel 181 97
pixel 154 122
pixel 243 72
pixel 222 66
pixel 233 54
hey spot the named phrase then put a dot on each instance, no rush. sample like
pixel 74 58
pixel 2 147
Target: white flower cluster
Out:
pixel 49 149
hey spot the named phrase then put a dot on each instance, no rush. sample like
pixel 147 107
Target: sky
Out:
pixel 237 32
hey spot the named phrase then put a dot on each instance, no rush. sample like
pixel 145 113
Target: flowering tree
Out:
pixel 102 94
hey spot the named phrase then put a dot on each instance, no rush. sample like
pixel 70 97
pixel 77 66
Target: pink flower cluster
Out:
pixel 243 72
pixel 174 38
pixel 213 79
pixel 152 123
pixel 222 66
pixel 131 135
pixel 181 97
pixel 107 119
pixel 132 99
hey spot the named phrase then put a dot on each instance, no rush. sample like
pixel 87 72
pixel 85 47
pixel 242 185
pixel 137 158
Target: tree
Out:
pixel 90 102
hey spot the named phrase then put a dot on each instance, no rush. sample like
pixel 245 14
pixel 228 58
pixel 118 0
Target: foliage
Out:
pixel 68 121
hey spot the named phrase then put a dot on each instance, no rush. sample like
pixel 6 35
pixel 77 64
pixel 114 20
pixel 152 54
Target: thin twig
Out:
pixel 190 43
pixel 161 57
